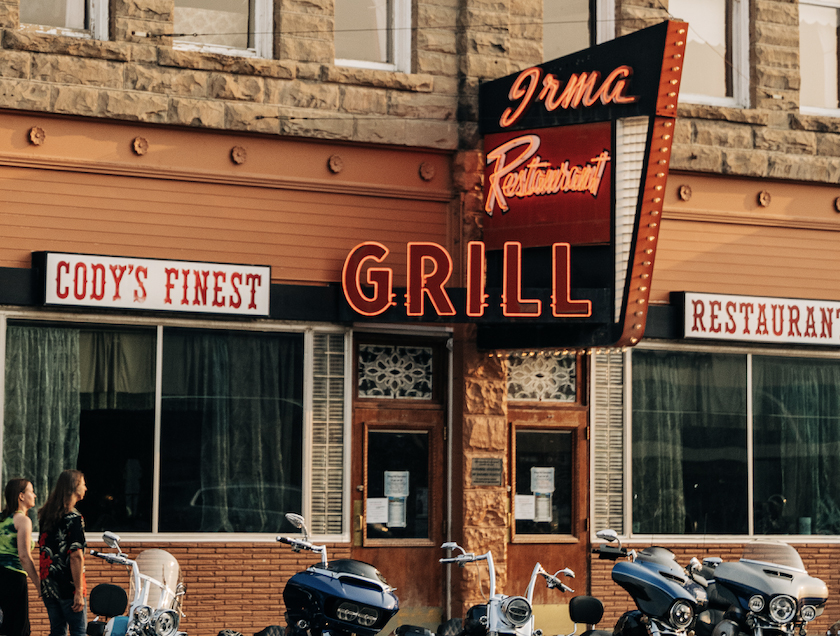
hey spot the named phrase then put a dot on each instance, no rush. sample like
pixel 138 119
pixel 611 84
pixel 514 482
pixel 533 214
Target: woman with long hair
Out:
pixel 62 545
pixel 16 557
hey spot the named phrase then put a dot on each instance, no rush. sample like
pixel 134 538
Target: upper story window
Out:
pixel 373 34
pixel 230 27
pixel 819 21
pixel 79 18
pixel 573 25
pixel 716 68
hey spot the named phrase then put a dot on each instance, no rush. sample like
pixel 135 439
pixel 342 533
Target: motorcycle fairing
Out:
pixel 654 584
pixel 325 588
pixel 747 578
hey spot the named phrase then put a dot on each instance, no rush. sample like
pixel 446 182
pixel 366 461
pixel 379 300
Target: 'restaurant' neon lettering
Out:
pixel 537 177
pixel 579 90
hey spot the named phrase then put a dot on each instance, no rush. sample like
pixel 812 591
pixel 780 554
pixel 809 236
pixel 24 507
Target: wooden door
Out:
pixel 549 479
pixel 398 470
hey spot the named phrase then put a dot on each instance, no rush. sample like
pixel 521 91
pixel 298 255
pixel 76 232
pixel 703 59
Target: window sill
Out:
pixel 231 51
pixel 723 113
pixel 816 120
pixel 545 538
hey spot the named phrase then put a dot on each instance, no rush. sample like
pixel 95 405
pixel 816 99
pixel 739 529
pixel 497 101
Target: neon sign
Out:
pixel 538 177
pixel 367 282
pixel 579 89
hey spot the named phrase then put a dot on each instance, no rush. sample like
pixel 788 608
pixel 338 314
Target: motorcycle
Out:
pixel 768 592
pixel 501 614
pixel 155 608
pixel 338 598
pixel 668 597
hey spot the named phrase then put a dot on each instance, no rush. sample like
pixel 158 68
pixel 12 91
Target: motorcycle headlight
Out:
pixel 782 609
pixel 809 613
pixel 682 613
pixel 165 622
pixel 517 610
pixel 367 617
pixel 347 612
pixel 756 603
pixel 142 615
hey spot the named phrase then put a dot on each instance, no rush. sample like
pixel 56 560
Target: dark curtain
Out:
pixel 241 397
pixel 796 416
pixel 689 443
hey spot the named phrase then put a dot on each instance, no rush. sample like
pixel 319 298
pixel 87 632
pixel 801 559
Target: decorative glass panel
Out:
pixel 542 378
pixel 395 372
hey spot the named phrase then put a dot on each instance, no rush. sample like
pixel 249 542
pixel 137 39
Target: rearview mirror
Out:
pixel 112 540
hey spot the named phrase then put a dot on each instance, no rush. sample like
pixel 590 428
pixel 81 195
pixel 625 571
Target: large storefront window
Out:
pixel 228 411
pixel 692 416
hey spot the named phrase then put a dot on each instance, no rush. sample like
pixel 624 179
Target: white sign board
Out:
pixel 82 280
pixel 761 319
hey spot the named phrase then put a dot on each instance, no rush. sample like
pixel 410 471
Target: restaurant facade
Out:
pixel 235 284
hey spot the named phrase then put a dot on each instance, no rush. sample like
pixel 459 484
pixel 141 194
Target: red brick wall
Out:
pixel 229 585
pixel 821 561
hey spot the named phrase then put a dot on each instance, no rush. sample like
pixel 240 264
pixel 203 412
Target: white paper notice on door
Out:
pixel 542 479
pixel 377 510
pixel 524 507
pixel 396 512
pixel 396 483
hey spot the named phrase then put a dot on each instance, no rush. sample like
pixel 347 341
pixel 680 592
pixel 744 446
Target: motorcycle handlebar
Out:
pixel 112 558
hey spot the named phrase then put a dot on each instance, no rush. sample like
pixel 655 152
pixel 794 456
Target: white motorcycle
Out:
pixel 502 614
pixel 156 595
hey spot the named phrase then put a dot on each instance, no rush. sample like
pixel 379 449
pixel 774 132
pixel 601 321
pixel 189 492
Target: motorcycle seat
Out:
pixel 107 599
pixel 586 609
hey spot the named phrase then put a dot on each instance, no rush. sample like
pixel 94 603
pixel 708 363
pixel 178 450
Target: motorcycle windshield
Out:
pixel 351 566
pixel 774 552
pixel 163 568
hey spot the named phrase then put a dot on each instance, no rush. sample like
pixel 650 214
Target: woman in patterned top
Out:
pixel 62 544
pixel 16 558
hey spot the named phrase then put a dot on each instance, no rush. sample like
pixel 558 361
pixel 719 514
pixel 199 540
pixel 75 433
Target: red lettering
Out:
pixel 217 289
pixel 233 278
pixel 513 304
pixel 730 313
pixel 117 271
pixel 714 308
pixel 793 312
pixel 140 294
pixel 169 271
pixel 510 116
pixel 699 309
pixel 184 299
pixel 746 309
pixel 561 303
pixel 476 279
pixel 253 280
pixel 810 323
pixel 97 285
pixel 379 278
pixel 420 282
pixel 778 325
pixel 200 289
pixel 80 267
pixel 762 320
pixel 62 265
pixel 826 322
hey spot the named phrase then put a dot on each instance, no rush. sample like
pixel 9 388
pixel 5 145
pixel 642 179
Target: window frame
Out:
pixel 401 43
pixel 817 110
pixel 97 28
pixel 627 409
pixel 263 37
pixel 740 38
pixel 308 330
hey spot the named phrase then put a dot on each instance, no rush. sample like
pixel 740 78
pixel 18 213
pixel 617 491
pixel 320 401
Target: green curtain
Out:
pixel 41 425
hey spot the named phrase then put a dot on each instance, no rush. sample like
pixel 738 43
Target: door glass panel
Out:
pixel 543 482
pixel 397 485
